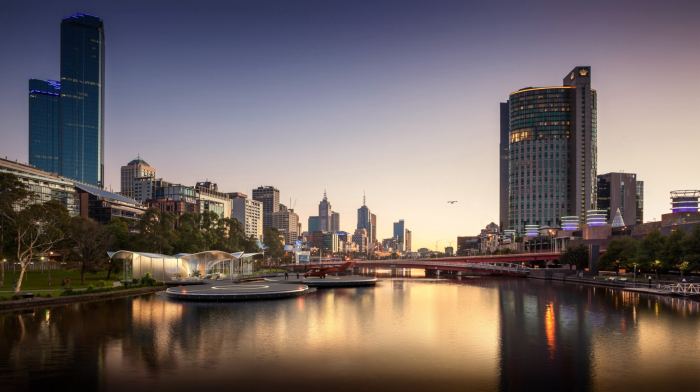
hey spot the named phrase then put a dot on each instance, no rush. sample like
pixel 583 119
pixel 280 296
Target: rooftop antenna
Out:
pixel 324 194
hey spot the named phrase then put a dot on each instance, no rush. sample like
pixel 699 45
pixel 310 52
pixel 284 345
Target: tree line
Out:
pixel 30 230
pixel 654 253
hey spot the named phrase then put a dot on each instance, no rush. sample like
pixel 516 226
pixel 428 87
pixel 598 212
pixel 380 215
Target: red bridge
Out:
pixel 515 264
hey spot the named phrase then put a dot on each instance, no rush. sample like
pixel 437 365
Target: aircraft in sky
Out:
pixel 321 271
pixel 452 201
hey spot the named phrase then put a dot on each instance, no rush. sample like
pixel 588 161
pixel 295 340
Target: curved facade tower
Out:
pixel 552 152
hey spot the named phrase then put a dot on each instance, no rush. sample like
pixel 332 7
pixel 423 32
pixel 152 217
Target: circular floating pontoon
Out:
pixel 225 291
pixel 329 281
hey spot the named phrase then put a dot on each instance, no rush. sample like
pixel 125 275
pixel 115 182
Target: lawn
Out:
pixel 35 280
pixel 55 293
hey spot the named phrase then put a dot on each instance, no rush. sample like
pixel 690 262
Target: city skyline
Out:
pixel 453 105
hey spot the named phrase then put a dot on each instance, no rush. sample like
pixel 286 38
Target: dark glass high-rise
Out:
pixel 66 118
pixel 82 98
pixel 44 124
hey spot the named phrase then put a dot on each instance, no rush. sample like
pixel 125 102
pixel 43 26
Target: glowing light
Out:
pixel 550 329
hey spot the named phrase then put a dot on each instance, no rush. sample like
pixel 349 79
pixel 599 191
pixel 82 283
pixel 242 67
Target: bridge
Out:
pixel 500 268
pixel 684 289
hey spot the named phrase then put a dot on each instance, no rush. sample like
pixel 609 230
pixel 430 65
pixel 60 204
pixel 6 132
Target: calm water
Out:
pixel 405 334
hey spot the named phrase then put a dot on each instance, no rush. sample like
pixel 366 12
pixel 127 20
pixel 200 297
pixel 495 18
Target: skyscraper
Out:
pixel 374 228
pixel 137 168
pixel 324 214
pixel 553 151
pixel 618 191
pixel 335 221
pixel 408 240
pixel 400 234
pixel 72 142
pixel 270 197
pixel 82 98
pixel 503 161
pixel 364 220
pixel 44 124
pixel 640 202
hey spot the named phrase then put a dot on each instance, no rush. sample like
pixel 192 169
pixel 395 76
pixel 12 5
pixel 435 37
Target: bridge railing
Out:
pixel 492 266
pixel 682 288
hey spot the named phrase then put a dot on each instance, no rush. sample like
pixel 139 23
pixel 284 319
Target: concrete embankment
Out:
pixel 569 276
pixel 45 302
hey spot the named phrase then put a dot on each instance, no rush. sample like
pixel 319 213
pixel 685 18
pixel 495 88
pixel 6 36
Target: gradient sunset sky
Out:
pixel 399 99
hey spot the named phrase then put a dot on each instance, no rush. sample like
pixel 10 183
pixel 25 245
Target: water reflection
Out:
pixel 406 333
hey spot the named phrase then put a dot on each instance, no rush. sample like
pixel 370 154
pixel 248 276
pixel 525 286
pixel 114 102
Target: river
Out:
pixel 406 334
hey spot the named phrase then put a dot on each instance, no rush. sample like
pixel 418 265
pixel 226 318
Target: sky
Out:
pixel 395 99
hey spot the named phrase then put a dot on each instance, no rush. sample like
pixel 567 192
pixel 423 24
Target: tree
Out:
pixel 157 233
pixel 673 255
pixel 649 251
pixel 577 256
pixel 189 236
pixel 271 239
pixel 91 241
pixel 618 254
pixel 12 192
pixel 122 239
pixel 691 248
pixel 38 228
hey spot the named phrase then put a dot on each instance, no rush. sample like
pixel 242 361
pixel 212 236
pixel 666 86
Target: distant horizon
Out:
pixel 400 102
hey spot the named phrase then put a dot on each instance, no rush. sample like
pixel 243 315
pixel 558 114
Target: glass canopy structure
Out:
pixel 183 266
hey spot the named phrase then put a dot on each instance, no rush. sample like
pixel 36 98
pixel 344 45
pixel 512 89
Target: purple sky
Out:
pixel 399 99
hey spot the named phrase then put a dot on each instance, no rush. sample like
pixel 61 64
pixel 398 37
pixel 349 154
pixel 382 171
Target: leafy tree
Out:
pixel 38 228
pixel 119 230
pixel 649 251
pixel 91 241
pixel 189 236
pixel 673 255
pixel 691 248
pixel 157 233
pixel 577 256
pixel 271 239
pixel 12 192
pixel 618 254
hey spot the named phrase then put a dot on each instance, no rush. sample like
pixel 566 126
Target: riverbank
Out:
pixel 63 300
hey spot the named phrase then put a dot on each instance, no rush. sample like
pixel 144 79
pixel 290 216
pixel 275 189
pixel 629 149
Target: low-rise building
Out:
pixel 102 206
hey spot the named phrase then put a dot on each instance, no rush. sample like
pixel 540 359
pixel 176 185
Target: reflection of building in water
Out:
pixel 545 341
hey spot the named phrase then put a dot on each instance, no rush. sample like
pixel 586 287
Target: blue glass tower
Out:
pixel 66 118
pixel 82 98
pixel 44 124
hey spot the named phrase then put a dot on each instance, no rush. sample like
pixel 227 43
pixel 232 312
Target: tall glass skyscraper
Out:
pixel 79 136
pixel 553 152
pixel 44 124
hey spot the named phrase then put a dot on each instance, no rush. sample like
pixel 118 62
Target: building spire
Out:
pixel 324 195
pixel 364 198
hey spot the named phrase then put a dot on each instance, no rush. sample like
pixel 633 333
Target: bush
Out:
pixel 90 287
pixel 16 297
pixel 67 291
pixel 48 295
pixel 100 284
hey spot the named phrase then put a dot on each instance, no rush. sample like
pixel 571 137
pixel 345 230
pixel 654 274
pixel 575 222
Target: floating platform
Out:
pixel 227 291
pixel 184 283
pixel 328 281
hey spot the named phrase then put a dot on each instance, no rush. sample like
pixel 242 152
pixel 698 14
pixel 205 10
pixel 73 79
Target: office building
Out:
pixel 137 168
pixel 324 214
pixel 618 191
pixel 373 234
pixel 400 234
pixel 250 213
pixel 103 206
pixel 553 152
pixel 468 245
pixel 640 202
pixel 335 221
pixel 44 125
pixel 143 189
pixel 177 207
pixel 66 118
pixel 270 197
pixel 287 223
pixel 314 224
pixel 46 186
pixel 210 199
pixel 360 238
pixel 330 241
pixel 504 164
pixel 364 219
pixel 408 240
pixel 390 244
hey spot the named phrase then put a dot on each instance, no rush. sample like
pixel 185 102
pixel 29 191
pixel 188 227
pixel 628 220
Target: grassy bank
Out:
pixel 35 280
